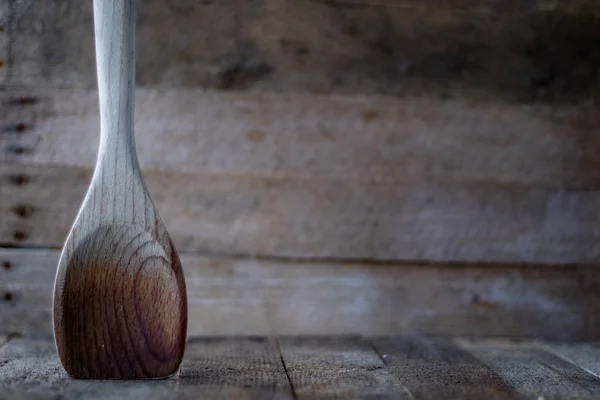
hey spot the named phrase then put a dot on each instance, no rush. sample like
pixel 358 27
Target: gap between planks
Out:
pixel 265 297
pixel 283 176
pixel 325 46
pixel 319 367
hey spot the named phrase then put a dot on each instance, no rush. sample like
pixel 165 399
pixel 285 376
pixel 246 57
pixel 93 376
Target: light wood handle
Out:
pixel 114 26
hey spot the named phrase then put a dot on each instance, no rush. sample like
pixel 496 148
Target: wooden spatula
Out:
pixel 120 308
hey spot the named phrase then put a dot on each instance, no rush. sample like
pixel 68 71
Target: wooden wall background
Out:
pixel 341 166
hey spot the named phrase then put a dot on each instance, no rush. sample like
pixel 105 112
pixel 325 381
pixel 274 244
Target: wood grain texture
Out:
pixel 437 369
pixel 475 6
pixel 229 296
pixel 31 369
pixel 213 368
pixel 3 340
pixel 397 48
pixel 119 312
pixel 585 355
pixel 319 367
pixel 250 367
pixel 338 368
pixel 304 176
pixel 120 308
pixel 524 365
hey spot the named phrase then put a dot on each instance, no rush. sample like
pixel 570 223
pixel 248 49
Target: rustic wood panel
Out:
pixel 476 6
pixel 437 369
pixel 534 50
pixel 316 367
pixel 305 176
pixel 341 138
pixel 586 355
pixel 213 368
pixel 251 366
pixel 228 296
pixel 30 369
pixel 533 371
pixel 338 368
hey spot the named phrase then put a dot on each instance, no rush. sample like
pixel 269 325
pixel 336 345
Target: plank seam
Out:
pixel 565 358
pixel 280 259
pixel 385 178
pixel 398 381
pixel 287 374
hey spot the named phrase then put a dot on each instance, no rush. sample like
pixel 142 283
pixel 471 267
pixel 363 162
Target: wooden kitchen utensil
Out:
pixel 120 308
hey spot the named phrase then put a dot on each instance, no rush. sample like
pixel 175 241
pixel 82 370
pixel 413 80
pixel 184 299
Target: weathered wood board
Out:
pixel 236 296
pixel 337 368
pixel 526 50
pixel 251 365
pixel 534 372
pixel 213 368
pixel 435 368
pixel 394 130
pixel 414 368
pixel 585 355
pixel 327 177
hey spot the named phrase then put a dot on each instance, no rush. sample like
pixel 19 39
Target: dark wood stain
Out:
pixel 545 57
pixel 116 315
pixel 255 136
pixel 23 101
pixel 20 180
pixel 20 236
pixel 23 210
pixel 21 127
pixel 297 46
pixel 239 72
pixel 19 150
pixel 370 115
pixel 538 56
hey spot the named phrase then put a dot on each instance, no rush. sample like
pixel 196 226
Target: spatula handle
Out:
pixel 114 26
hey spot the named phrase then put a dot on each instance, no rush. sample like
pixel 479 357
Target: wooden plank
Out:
pixel 212 368
pixel 303 137
pixel 347 46
pixel 476 6
pixel 5 42
pixel 308 220
pixel 436 369
pixel 304 176
pixel 239 296
pixel 585 355
pixel 30 369
pixel 247 368
pixel 337 368
pixel 319 367
pixel 3 340
pixel 534 372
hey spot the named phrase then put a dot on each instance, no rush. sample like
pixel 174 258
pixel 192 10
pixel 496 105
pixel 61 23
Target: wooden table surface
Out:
pixel 403 367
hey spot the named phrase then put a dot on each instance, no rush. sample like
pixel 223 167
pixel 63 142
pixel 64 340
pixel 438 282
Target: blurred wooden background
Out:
pixel 341 166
